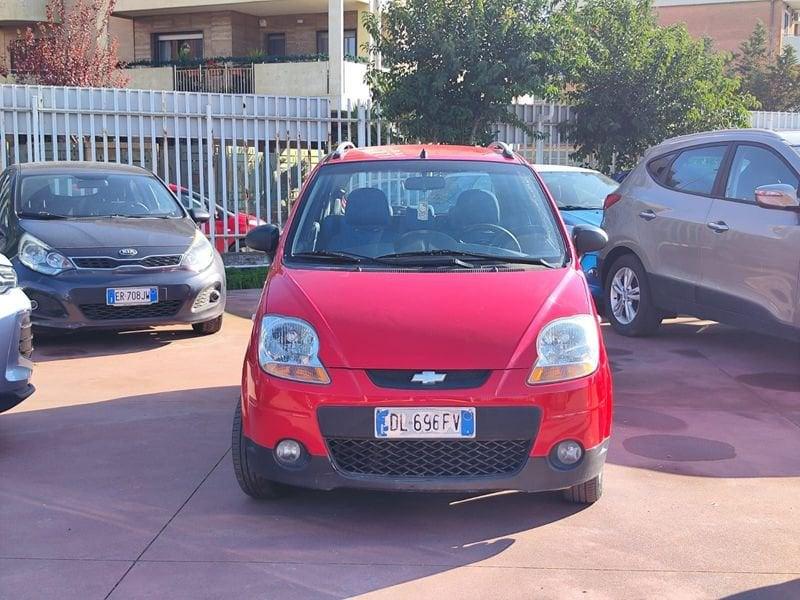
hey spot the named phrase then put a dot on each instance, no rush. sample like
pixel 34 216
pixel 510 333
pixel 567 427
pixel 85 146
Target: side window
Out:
pixel 658 166
pixel 695 170
pixel 753 167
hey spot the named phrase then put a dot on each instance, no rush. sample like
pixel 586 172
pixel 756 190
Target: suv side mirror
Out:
pixel 263 238
pixel 778 195
pixel 199 215
pixel 588 238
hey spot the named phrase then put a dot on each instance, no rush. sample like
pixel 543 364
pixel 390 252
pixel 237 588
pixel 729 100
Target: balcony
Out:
pixel 133 8
pixel 18 12
pixel 301 78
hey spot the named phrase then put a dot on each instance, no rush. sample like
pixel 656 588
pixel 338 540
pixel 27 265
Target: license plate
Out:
pixel 424 422
pixel 131 296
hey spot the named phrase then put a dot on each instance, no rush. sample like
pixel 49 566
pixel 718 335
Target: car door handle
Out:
pixel 718 226
pixel 647 215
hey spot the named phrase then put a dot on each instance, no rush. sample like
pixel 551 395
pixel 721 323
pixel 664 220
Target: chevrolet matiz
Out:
pixel 425 326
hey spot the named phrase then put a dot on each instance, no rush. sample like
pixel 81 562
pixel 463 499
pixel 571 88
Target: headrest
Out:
pixel 474 207
pixel 367 207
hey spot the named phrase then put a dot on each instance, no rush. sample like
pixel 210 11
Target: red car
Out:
pixel 398 346
pixel 224 221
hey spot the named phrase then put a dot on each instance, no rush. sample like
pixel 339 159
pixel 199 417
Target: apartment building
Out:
pixel 730 22
pixel 276 47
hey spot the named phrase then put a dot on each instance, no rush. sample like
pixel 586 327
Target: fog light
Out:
pixel 567 453
pixel 289 452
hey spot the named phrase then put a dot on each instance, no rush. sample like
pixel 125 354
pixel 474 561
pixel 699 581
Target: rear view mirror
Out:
pixel 263 238
pixel 778 195
pixel 199 215
pixel 588 238
pixel 424 183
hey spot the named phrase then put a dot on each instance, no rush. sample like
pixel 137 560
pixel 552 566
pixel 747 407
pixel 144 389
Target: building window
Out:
pixel 275 44
pixel 178 46
pixel 350 42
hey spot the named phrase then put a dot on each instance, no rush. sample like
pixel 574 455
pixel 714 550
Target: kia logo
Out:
pixel 128 252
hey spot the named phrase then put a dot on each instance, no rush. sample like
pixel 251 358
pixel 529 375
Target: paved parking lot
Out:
pixel 116 480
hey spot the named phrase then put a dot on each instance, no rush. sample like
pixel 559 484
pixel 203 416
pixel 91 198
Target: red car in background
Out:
pixel 224 220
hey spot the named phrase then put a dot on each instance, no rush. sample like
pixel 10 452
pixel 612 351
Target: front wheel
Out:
pixel 587 492
pixel 208 327
pixel 629 303
pixel 251 483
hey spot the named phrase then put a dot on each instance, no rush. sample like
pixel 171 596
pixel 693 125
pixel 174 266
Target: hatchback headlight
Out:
pixel 567 349
pixel 39 257
pixel 199 255
pixel 289 348
pixel 8 279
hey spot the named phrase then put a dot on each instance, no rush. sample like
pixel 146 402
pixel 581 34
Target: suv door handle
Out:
pixel 647 215
pixel 718 226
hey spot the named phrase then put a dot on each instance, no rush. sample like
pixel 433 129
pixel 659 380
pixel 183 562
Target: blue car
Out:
pixel 579 194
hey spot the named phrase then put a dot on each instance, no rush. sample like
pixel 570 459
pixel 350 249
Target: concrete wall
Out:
pixel 727 23
pixel 308 79
pixel 150 78
pixel 122 30
pixel 23 11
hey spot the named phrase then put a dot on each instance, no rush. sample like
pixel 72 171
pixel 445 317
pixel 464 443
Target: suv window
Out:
pixel 658 166
pixel 695 170
pixel 753 167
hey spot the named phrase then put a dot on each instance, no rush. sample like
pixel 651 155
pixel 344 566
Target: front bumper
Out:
pixel 15 368
pixel 319 472
pixel 76 299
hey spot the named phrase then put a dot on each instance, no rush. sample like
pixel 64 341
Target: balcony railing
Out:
pixel 222 79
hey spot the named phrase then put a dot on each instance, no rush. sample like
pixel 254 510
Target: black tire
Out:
pixel 251 483
pixel 208 327
pixel 588 492
pixel 647 317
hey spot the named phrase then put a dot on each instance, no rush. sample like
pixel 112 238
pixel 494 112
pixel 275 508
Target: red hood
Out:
pixel 454 320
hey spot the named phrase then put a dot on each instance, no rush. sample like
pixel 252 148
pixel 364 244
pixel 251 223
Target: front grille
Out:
pixel 450 380
pixel 106 262
pixel 429 458
pixel 103 312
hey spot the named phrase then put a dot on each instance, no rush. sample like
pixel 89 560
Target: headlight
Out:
pixel 8 279
pixel 289 348
pixel 567 349
pixel 38 256
pixel 199 255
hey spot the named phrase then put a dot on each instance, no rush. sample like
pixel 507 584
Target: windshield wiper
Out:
pixel 578 207
pixel 44 216
pixel 333 256
pixel 462 256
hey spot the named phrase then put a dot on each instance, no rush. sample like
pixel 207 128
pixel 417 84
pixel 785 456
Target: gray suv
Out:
pixel 707 225
pixel 15 339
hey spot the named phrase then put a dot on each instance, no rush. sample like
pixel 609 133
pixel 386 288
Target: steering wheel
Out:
pixel 487 234
pixel 424 240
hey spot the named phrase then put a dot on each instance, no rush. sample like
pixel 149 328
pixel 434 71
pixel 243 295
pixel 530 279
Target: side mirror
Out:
pixel 199 215
pixel 778 195
pixel 588 238
pixel 263 238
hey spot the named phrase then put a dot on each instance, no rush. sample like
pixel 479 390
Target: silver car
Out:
pixel 707 225
pixel 15 340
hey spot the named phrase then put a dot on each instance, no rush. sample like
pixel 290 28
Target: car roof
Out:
pixel 432 152
pixel 561 169
pixel 767 136
pixel 77 166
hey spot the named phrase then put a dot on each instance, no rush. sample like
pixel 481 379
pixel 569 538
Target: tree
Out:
pixel 71 47
pixel 641 84
pixel 450 68
pixel 775 83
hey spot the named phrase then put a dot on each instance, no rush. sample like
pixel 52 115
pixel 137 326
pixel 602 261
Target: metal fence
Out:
pixel 243 157
pixel 222 79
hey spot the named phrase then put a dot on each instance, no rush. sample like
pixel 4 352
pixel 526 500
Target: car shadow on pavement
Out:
pixel 706 400
pixel 90 344
pixel 789 590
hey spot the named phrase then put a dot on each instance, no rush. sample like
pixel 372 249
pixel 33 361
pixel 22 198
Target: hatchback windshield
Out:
pixel 423 211
pixel 578 190
pixel 67 196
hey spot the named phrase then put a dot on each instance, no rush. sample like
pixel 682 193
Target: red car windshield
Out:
pixel 382 209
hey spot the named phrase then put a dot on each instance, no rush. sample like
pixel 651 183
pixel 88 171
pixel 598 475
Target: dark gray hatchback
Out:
pixel 98 245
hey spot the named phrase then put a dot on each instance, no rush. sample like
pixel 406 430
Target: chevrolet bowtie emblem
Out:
pixel 428 377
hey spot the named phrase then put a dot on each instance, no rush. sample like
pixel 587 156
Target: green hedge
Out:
pixel 245 279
